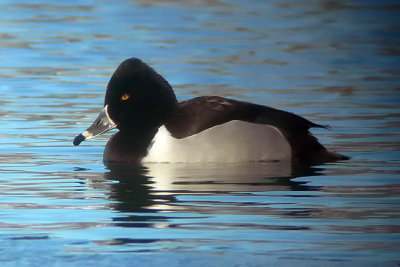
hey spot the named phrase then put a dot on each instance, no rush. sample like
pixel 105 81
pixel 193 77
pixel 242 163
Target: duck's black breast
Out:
pixel 128 146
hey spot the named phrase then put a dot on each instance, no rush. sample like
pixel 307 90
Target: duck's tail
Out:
pixel 307 149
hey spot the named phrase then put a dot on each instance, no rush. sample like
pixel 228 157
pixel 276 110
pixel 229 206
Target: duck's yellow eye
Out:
pixel 125 96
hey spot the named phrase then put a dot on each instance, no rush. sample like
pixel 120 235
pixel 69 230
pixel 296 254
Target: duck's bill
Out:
pixel 101 124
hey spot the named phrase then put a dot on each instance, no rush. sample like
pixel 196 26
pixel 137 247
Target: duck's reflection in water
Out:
pixel 153 187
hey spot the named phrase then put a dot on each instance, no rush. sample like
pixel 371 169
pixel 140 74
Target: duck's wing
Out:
pixel 200 113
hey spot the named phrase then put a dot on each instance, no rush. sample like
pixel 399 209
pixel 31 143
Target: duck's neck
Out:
pixel 128 146
pixel 132 143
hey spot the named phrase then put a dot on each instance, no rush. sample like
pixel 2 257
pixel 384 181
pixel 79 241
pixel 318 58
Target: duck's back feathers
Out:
pixel 200 113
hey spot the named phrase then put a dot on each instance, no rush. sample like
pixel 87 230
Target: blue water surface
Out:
pixel 334 62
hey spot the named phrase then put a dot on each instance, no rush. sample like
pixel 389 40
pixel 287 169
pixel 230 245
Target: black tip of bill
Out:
pixel 78 139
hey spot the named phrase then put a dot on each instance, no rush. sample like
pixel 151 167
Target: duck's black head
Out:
pixel 137 100
pixel 138 97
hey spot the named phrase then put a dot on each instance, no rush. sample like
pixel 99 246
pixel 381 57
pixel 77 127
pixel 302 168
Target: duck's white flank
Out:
pixel 235 141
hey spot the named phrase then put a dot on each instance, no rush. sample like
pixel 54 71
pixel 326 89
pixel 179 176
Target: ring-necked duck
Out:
pixel 154 126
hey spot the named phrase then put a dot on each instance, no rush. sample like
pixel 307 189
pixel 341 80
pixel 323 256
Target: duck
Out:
pixel 155 127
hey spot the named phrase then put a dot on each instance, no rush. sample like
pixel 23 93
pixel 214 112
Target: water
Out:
pixel 334 62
